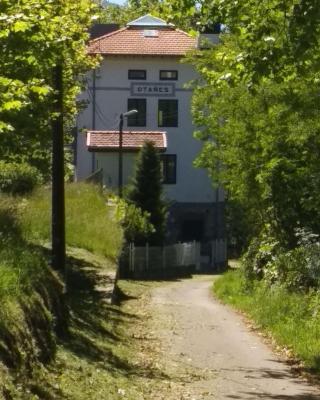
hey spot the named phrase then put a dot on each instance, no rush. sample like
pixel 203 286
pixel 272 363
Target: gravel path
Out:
pixel 200 332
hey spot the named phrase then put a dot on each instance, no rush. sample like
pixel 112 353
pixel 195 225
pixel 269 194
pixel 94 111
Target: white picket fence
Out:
pixel 217 254
pixel 173 259
pixel 161 258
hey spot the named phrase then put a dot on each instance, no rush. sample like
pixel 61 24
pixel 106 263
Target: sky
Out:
pixel 118 1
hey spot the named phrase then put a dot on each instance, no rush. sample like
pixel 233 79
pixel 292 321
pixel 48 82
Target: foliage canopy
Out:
pixel 36 35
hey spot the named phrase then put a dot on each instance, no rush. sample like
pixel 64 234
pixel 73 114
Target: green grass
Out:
pixel 101 357
pixel 33 309
pixel 293 319
pixel 30 294
pixel 89 223
pixel 98 357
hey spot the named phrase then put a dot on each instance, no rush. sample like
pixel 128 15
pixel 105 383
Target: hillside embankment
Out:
pixel 36 312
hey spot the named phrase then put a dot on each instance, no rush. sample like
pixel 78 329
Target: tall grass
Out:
pixel 293 319
pixel 32 298
pixel 89 223
pixel 30 295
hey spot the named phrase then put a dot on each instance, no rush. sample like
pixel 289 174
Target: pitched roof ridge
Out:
pixel 154 19
pixel 108 35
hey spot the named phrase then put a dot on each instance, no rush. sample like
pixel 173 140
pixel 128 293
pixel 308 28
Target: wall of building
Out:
pixel 194 204
pixel 112 93
pixel 109 163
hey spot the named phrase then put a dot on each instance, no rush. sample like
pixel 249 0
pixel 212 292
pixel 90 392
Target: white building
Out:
pixel 141 69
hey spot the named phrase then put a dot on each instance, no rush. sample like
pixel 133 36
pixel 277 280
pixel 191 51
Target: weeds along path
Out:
pixel 232 362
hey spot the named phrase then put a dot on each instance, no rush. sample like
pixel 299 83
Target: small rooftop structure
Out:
pixel 149 21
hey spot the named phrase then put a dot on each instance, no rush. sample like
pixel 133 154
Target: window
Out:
pixel 138 119
pixel 168 75
pixel 139 74
pixel 168 113
pixel 169 168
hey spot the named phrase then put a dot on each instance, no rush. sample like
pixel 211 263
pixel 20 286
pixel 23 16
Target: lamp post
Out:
pixel 120 176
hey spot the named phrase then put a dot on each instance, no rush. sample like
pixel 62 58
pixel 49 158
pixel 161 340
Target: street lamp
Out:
pixel 122 116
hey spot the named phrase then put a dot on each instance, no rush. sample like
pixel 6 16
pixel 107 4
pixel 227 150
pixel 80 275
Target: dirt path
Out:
pixel 198 331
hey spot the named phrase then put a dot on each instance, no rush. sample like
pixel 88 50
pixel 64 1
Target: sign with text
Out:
pixel 152 89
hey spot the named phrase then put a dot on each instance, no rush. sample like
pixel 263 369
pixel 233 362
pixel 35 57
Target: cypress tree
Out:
pixel 145 191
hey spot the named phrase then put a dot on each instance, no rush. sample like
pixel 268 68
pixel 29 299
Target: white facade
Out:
pixel 109 89
pixel 112 91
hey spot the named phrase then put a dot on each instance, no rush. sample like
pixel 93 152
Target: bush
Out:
pixel 136 223
pixel 260 255
pixel 299 269
pixel 296 269
pixel 18 179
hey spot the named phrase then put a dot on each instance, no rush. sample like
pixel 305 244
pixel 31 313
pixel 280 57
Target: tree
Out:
pixel 133 9
pixel 36 35
pixel 145 191
pixel 267 144
pixel 119 14
pixel 256 104
pixel 275 38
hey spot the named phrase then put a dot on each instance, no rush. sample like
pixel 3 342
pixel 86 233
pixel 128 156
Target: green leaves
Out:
pixel 20 26
pixel 145 193
pixel 35 35
pixel 257 103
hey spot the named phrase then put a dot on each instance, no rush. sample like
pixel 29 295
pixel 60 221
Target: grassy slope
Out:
pixel 89 223
pixel 30 292
pixel 31 296
pixel 108 354
pixel 292 319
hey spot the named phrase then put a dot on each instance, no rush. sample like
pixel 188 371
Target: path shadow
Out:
pixel 272 374
pixel 95 321
pixel 47 392
pixel 252 395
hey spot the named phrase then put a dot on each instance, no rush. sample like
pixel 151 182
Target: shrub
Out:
pixel 9 225
pixel 17 178
pixel 299 269
pixel 136 223
pixel 296 269
pixel 261 253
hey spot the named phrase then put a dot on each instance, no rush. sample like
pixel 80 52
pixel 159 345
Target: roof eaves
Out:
pixel 164 135
pixel 88 138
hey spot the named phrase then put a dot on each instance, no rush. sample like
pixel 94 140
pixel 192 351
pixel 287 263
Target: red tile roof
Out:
pixel 131 140
pixel 131 41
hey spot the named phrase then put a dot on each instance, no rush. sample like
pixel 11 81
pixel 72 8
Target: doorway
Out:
pixel 191 230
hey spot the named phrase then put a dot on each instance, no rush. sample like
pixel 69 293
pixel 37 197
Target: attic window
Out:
pixel 150 33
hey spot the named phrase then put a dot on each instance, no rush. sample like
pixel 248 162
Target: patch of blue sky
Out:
pixel 119 2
